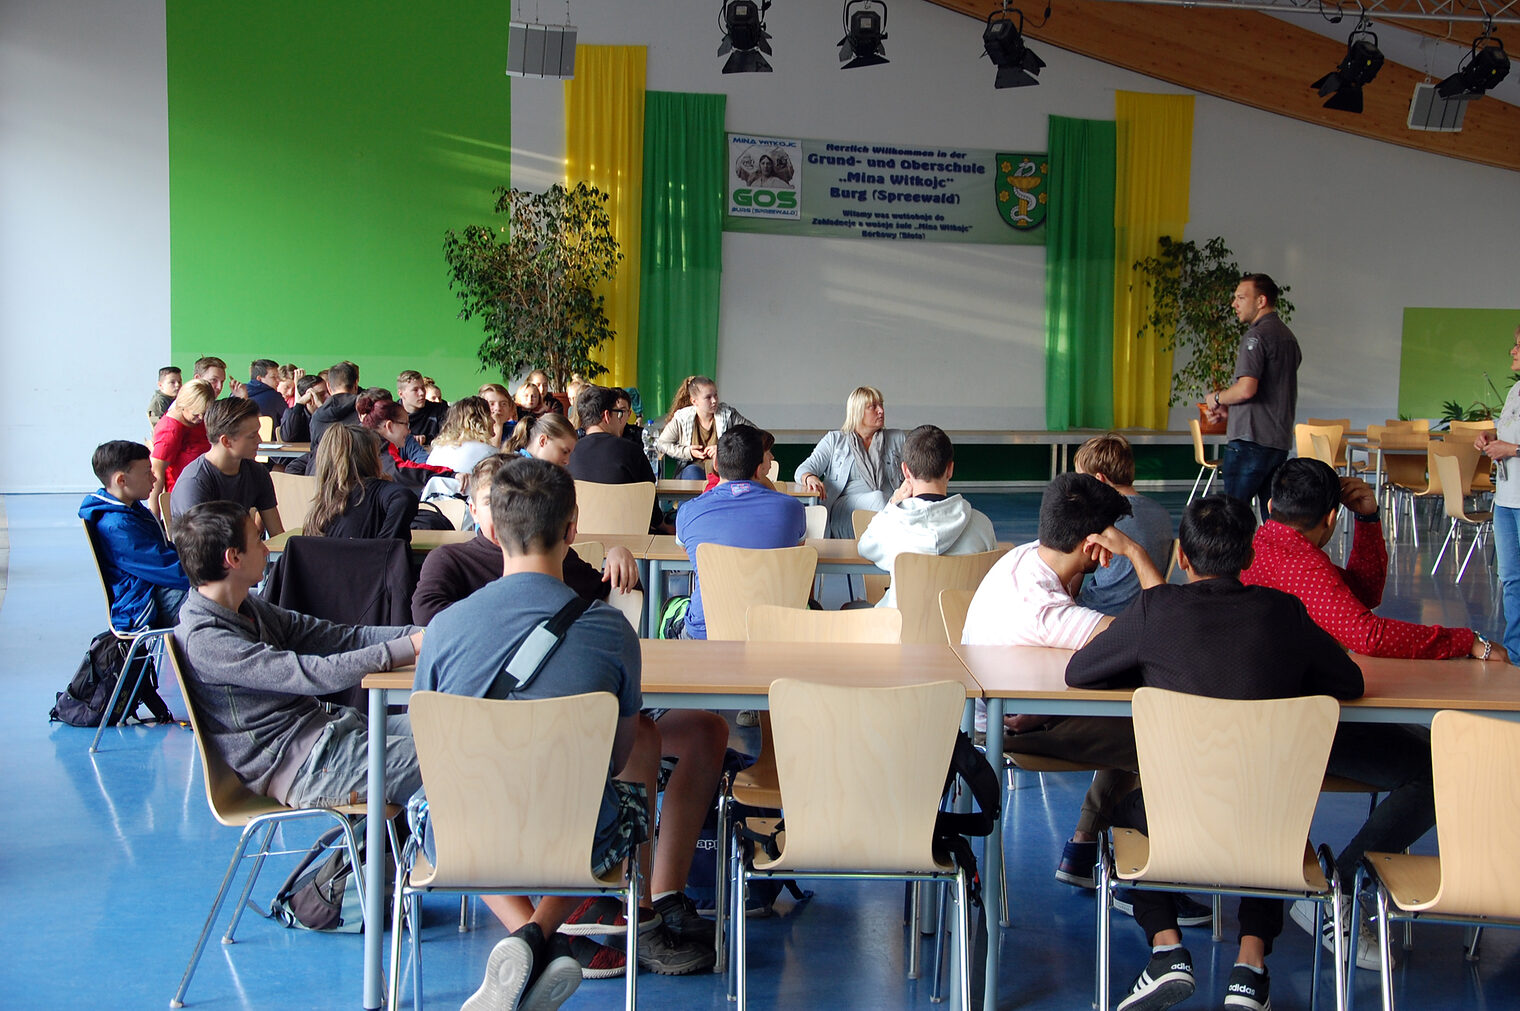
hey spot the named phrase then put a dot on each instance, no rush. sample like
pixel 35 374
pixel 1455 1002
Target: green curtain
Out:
pixel 682 268
pixel 1079 275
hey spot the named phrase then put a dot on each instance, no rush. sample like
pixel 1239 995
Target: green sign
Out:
pixel 884 192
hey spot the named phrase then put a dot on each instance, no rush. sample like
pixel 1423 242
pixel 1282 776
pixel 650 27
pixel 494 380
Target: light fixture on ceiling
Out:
pixel 1003 42
pixel 744 36
pixel 864 28
pixel 1485 65
pixel 1362 62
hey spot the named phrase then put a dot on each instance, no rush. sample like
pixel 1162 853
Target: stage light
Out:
pixel 1003 42
pixel 1482 68
pixel 1362 63
pixel 864 29
pixel 744 36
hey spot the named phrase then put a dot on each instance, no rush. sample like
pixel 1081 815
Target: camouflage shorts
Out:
pixel 630 828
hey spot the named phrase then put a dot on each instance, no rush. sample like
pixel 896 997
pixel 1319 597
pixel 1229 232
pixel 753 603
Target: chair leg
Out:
pixel 963 947
pixel 1217 931
pixel 253 875
pixel 464 914
pixel 1468 557
pixel 1385 955
pixel 178 1000
pixel 1473 939
pixel 915 940
pixel 105 717
pixel 415 913
pixel 1450 530
pixel 1100 997
pixel 399 921
pixel 936 967
pixel 741 987
pixel 631 993
pixel 720 880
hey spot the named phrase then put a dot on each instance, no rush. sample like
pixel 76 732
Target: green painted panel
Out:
pixel 317 153
pixel 1446 352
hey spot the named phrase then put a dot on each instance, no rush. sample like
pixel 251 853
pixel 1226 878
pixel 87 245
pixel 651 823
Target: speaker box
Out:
pixel 535 50
pixel 1429 111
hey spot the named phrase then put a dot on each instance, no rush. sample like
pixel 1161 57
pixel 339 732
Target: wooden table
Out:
pixel 283 450
pixel 675 489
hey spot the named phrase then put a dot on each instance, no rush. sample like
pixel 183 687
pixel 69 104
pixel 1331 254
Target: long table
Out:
pixel 678 489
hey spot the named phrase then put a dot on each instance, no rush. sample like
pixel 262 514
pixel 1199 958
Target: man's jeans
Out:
pixel 1391 758
pixel 1248 468
pixel 1507 547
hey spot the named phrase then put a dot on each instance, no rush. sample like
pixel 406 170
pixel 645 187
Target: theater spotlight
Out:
pixel 744 36
pixel 1362 63
pixel 1482 68
pixel 864 29
pixel 1003 42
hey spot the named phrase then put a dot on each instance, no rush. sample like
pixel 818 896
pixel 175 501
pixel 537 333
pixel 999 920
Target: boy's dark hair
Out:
pixel 1108 454
pixel 532 501
pixel 168 370
pixel 307 382
pixel 1215 534
pixel 1076 505
pixel 1304 491
pixel 202 536
pixel 343 374
pixel 116 456
pixel 208 362
pixel 740 451
pixel 1264 285
pixel 261 367
pixel 593 402
pixel 927 453
pixel 224 416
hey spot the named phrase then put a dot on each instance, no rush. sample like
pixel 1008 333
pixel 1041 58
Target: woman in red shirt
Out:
pixel 179 437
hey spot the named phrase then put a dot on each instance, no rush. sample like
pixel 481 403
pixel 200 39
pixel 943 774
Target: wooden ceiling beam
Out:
pixel 1263 62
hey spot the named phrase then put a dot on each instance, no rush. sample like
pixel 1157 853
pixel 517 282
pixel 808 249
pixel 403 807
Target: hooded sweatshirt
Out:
pixel 135 556
pixel 925 525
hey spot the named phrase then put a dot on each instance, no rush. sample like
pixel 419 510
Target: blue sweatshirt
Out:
pixel 135 556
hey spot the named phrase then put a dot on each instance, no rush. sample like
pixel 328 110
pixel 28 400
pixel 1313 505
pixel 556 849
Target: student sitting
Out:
pixel 1109 459
pixel 1219 638
pixel 602 455
pixel 295 423
pixel 465 438
pixel 503 412
pixel 424 418
pixel 740 512
pixel 169 382
pixel 353 498
pixel 286 387
pixel 403 459
pixel 547 437
pixel 228 472
pixel 696 422
pixel 533 521
pixel 255 671
pixel 530 401
pixel 923 517
pixel 262 389
pixel 179 437
pixel 339 409
pixel 141 568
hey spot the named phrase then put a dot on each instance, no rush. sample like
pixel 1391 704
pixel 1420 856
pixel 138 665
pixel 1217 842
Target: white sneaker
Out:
pixel 1302 913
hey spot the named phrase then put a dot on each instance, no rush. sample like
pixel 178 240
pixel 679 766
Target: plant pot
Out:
pixel 1210 427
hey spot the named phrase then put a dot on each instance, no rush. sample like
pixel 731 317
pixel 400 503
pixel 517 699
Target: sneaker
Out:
pixel 1079 861
pixel 679 914
pixel 507 972
pixel 1165 981
pixel 1247 989
pixel 553 986
pixel 747 718
pixel 660 952
pixel 1302 913
pixel 597 960
pixel 1190 912
pixel 603 916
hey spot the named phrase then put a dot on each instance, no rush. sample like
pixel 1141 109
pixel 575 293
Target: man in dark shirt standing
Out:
pixel 1264 396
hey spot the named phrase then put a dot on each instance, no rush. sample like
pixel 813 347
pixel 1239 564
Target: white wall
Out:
pixel 84 231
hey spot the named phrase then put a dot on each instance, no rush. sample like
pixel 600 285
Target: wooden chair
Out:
pixel 1254 766
pixel 774 472
pixel 1340 447
pixel 1408 424
pixel 875 586
pixel 498 831
pixel 591 552
pixel 861 772
pixel 1304 436
pixel 1483 481
pixel 138 644
pixel 1474 880
pixel 954 605
pixel 1205 465
pixel 1405 472
pixel 266 428
pixel 235 806
pixel 817 521
pixel 733 579
pixel 1457 513
pixel 294 495
pixel 453 509
pixel 614 508
pixel 631 604
pixel 918 580
pixel 163 513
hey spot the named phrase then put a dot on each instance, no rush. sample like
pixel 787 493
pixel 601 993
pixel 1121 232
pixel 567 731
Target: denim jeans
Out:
pixel 1507 547
pixel 1395 759
pixel 692 472
pixel 1248 468
pixel 166 603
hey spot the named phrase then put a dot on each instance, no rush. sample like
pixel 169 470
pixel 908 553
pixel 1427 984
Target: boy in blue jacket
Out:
pixel 140 566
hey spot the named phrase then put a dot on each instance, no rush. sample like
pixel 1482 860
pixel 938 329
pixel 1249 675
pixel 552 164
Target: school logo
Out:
pixel 1021 190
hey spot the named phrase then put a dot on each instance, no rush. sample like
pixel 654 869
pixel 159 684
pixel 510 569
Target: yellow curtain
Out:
pixel 1155 156
pixel 604 146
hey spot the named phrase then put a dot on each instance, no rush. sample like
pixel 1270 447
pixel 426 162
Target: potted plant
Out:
pixel 532 280
pixel 1192 286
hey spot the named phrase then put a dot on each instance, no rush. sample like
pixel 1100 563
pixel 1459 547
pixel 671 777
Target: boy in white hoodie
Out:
pixel 923 517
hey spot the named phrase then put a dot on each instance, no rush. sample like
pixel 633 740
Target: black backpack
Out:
pixel 83 703
pixel 322 896
pixel 951 828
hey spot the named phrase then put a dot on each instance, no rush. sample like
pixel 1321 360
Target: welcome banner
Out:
pixel 885 192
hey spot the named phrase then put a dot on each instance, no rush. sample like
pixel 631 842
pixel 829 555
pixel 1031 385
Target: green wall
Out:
pixel 1446 352
pixel 317 152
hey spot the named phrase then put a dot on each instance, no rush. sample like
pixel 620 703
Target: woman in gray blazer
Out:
pixel 857 467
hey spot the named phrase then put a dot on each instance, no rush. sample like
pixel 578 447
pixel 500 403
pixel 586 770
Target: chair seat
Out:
pixel 1412 881
pixel 239 811
pixel 1044 763
pixel 756 794
pixel 1132 852
pixel 423 872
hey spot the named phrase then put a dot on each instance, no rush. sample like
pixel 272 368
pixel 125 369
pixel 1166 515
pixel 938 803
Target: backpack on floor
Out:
pixel 969 766
pixel 672 618
pixel 83 703
pixel 319 893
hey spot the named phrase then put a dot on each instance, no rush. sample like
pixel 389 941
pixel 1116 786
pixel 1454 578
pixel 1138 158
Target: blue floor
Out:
pixel 110 862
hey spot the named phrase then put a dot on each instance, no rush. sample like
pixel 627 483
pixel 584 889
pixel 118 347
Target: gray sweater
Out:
pixel 254 674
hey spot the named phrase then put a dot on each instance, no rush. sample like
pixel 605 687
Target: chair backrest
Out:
pixel 631 604
pixel 1470 428
pixel 1460 445
pixel 1230 786
pixel 614 508
pixel 1406 469
pixel 1449 466
pixel 876 586
pixel 919 580
pixel 861 771
pixel 774 471
pixel 817 521
pixel 493 821
pixel 954 605
pixel 100 570
pixel 163 513
pixel 1304 434
pixel 1319 449
pixel 1195 427
pixel 1474 759
pixel 1408 424
pixel 591 552
pixel 769 623
pixel 732 579
pixel 453 509
pixel 294 495
pixel 1340 447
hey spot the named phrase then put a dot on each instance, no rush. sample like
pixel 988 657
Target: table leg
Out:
pixel 992 876
pixel 654 593
pixel 649 612
pixel 374 852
